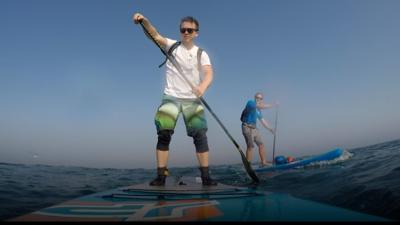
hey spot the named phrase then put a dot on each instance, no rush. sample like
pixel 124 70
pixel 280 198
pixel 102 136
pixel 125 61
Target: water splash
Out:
pixel 346 155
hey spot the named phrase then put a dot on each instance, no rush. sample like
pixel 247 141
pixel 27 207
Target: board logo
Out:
pixel 182 210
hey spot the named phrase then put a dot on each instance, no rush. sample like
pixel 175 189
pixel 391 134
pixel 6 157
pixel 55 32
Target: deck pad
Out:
pixel 182 184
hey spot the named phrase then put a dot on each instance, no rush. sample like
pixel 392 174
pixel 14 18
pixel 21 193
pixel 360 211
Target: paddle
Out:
pixel 172 59
pixel 276 125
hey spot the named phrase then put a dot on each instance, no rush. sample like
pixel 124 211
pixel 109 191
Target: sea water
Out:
pixel 364 179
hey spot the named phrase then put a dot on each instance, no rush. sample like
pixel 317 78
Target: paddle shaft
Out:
pixel 246 163
pixel 276 126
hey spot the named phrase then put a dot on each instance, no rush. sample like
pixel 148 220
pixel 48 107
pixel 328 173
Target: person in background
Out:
pixel 250 114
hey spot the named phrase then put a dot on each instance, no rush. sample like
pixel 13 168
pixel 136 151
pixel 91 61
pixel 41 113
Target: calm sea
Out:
pixel 364 179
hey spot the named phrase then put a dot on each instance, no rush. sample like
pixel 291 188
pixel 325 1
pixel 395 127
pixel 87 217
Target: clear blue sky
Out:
pixel 79 82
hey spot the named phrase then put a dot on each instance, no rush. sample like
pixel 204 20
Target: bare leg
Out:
pixel 162 171
pixel 261 150
pixel 205 176
pixel 162 158
pixel 203 159
pixel 249 154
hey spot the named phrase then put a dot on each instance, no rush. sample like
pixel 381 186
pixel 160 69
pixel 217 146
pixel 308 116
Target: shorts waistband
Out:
pixel 249 125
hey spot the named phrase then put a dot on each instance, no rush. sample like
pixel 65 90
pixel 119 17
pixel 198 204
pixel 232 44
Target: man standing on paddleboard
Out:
pixel 251 134
pixel 180 97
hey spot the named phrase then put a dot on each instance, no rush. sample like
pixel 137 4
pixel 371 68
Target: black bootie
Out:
pixel 205 177
pixel 162 173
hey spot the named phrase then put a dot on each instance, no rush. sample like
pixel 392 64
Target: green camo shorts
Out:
pixel 170 108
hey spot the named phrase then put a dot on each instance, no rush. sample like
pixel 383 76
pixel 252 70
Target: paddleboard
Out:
pixel 186 199
pixel 330 155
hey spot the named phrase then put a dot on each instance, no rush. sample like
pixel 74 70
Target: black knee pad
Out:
pixel 200 140
pixel 164 138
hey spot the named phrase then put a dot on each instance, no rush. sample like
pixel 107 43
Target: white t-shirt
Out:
pixel 175 85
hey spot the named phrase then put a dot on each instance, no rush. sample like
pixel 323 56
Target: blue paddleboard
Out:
pixel 330 155
pixel 186 199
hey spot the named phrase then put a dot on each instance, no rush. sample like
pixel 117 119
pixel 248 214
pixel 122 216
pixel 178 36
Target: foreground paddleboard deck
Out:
pixel 330 155
pixel 185 199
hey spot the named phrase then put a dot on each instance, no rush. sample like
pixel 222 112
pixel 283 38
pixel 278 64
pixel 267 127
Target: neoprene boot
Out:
pixel 162 173
pixel 205 177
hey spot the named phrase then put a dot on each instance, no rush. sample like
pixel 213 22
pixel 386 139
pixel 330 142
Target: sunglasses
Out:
pixel 189 30
pixel 259 98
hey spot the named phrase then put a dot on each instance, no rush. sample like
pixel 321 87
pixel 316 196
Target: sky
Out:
pixel 80 83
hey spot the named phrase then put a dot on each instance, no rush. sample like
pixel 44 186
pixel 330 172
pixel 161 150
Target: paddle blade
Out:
pixel 248 168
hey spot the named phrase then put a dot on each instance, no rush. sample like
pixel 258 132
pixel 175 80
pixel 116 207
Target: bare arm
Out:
pixel 208 77
pixel 262 105
pixel 266 125
pixel 137 17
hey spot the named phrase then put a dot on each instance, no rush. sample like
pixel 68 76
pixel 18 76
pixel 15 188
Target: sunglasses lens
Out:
pixel 189 30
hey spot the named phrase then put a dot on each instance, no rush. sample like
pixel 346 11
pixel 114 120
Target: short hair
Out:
pixel 190 19
pixel 258 94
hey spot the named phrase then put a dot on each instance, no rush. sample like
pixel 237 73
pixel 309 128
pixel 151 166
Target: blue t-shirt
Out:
pixel 250 113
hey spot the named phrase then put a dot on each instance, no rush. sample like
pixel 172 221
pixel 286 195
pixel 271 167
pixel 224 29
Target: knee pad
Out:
pixel 200 140
pixel 164 138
